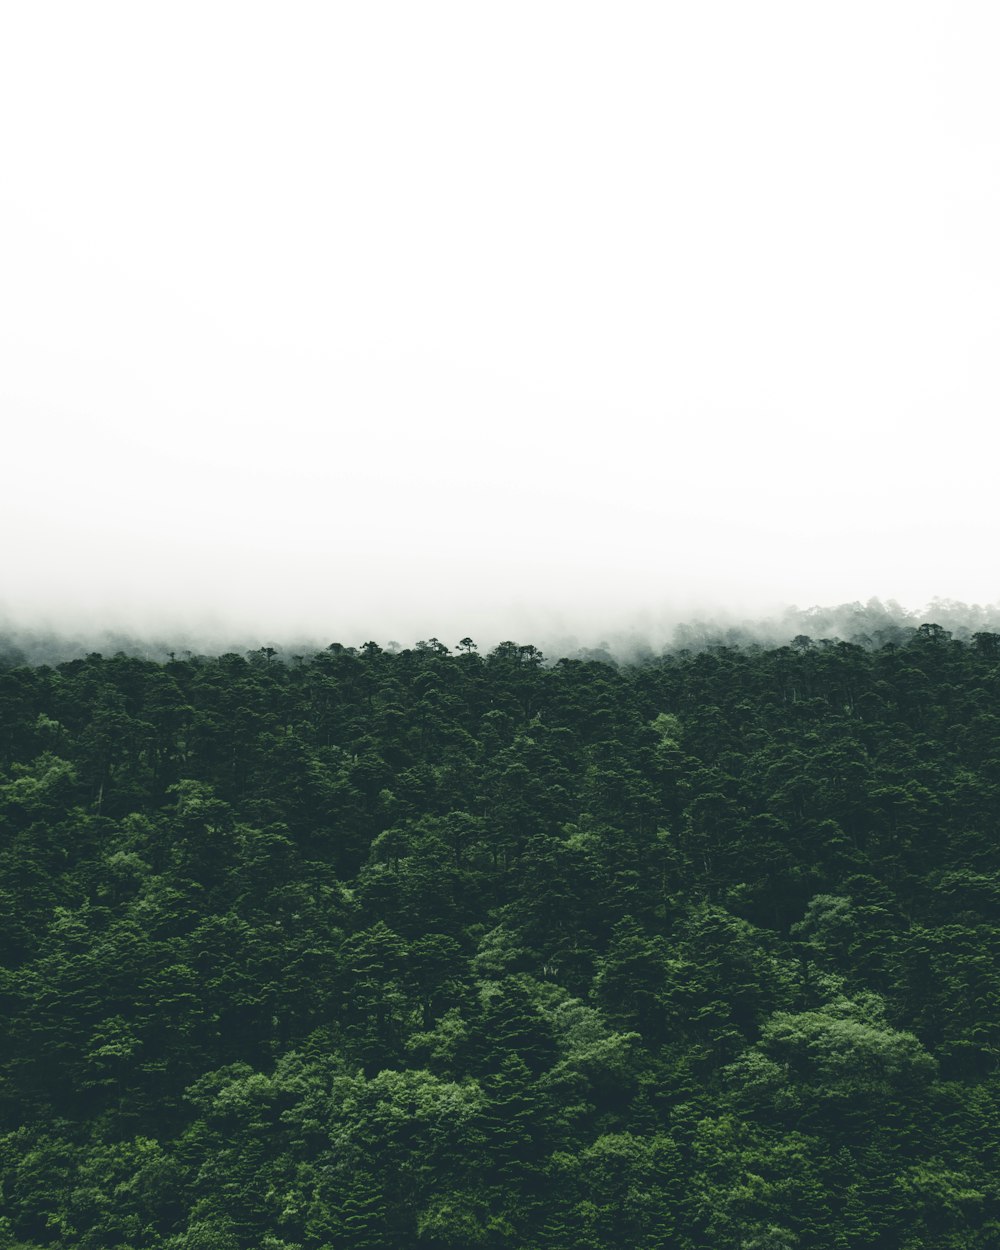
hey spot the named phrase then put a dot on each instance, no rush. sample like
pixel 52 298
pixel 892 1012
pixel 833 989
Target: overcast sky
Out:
pixel 388 320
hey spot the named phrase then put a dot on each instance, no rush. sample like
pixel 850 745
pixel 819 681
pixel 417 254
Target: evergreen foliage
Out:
pixel 382 950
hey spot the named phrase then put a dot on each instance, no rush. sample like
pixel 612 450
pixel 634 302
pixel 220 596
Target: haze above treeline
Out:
pixel 871 624
pixel 539 322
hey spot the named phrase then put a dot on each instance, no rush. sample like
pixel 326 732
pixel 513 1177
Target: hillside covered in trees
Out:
pixel 372 950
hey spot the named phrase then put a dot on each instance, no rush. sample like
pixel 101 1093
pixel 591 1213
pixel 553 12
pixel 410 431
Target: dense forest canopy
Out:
pixel 371 949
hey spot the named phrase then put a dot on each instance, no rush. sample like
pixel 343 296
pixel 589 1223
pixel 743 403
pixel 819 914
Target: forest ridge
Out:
pixel 382 950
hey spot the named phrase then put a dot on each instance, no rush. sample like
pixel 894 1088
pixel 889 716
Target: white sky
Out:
pixel 388 320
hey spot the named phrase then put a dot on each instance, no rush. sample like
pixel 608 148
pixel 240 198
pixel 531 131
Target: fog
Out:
pixel 572 323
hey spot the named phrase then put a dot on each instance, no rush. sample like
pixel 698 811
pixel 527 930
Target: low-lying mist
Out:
pixel 871 624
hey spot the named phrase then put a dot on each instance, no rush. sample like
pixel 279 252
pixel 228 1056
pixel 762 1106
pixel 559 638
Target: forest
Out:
pixel 432 949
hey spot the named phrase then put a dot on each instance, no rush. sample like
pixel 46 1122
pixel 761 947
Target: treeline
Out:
pixel 370 950
pixel 871 625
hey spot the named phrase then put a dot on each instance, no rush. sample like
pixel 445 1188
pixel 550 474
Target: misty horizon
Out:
pixel 543 323
pixel 871 624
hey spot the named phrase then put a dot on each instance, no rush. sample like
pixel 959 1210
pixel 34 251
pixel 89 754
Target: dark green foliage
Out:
pixel 387 950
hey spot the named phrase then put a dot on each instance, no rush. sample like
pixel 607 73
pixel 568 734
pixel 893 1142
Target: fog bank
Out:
pixel 558 321
pixel 872 624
